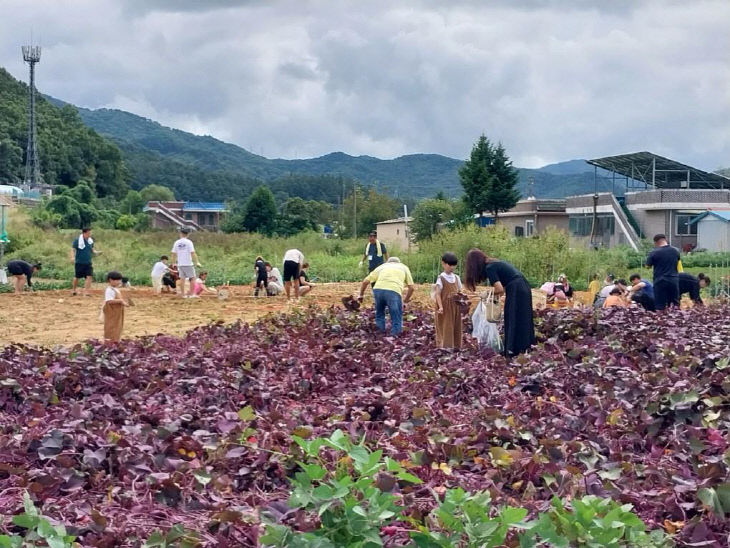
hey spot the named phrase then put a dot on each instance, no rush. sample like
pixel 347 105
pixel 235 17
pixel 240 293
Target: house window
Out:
pixel 397 231
pixel 582 225
pixel 529 228
pixel 683 228
pixel 519 231
pixel 188 216
pixel 211 219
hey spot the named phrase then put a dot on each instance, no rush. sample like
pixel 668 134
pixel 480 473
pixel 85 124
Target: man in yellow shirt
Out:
pixel 389 280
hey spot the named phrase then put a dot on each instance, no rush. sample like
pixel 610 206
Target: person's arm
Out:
pixel 72 254
pixel 363 286
pixel 385 252
pixel 498 288
pixel 409 293
pixel 439 301
pixel 28 276
pixel 194 255
pixel 174 259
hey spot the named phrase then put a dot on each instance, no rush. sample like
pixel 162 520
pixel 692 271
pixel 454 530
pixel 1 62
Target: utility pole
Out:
pixel 354 209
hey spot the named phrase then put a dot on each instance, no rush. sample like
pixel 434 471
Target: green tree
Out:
pixel 428 214
pixel 132 203
pixel 159 193
pixel 367 207
pixel 260 213
pixel 126 222
pixel 488 179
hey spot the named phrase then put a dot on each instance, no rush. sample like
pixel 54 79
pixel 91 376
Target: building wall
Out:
pixel 555 220
pixel 394 236
pixel 713 234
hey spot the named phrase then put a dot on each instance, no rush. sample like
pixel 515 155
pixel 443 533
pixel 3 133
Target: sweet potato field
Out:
pixel 117 442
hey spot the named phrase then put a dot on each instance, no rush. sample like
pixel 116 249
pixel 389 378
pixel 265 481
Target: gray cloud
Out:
pixel 551 79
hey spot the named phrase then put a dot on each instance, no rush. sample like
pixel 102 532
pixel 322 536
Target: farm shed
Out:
pixel 713 230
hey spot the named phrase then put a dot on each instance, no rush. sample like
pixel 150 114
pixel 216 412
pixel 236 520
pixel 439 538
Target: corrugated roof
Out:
pixel 722 215
pixel 204 206
pixel 660 172
pixel 398 220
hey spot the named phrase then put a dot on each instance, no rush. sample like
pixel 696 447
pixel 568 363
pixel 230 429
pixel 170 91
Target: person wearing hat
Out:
pixel 375 252
pixel 183 253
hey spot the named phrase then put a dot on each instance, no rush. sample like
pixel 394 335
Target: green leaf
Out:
pixel 202 477
pixel 314 471
pixel 26 521
pixel 247 413
pixel 357 509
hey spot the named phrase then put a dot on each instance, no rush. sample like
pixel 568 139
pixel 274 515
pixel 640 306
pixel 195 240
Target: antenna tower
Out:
pixel 32 55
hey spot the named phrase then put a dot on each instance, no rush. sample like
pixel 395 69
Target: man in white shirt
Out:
pixel 293 261
pixel 183 253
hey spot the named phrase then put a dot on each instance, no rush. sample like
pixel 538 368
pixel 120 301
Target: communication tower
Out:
pixel 32 55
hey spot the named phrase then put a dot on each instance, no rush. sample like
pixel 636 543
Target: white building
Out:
pixel 713 230
pixel 395 234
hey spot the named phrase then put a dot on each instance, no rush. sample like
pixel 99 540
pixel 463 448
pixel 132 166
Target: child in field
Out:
pixel 448 312
pixel 113 307
pixel 199 288
pixel 158 271
pixel 170 279
pixel 262 278
pixel 305 286
pixel 615 298
pixel 594 286
pixel 274 287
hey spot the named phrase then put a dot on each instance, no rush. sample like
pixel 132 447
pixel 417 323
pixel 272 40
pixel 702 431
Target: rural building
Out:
pixel 194 215
pixel 659 196
pixel 713 230
pixel 395 233
pixel 534 216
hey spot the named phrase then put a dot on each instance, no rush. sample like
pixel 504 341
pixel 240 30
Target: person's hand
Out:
pixel 440 310
pixel 360 297
pixel 198 264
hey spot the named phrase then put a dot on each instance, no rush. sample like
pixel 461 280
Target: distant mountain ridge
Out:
pixel 145 141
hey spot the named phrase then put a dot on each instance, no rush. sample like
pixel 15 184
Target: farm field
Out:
pixel 56 318
pixel 200 431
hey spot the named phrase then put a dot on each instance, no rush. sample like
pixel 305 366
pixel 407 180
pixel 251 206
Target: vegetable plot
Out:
pixel 194 438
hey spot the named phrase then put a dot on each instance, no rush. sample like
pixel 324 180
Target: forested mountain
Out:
pixel 70 151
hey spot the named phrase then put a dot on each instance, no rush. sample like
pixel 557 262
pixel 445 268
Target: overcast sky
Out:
pixel 553 80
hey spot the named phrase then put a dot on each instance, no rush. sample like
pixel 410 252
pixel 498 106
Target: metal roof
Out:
pixel 722 215
pixel 204 206
pixel 398 220
pixel 659 172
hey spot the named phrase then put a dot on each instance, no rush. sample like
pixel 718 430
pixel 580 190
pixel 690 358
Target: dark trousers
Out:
pixel 644 300
pixel 666 293
pixel 519 325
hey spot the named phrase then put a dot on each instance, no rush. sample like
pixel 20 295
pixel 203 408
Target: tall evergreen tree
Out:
pixel 488 179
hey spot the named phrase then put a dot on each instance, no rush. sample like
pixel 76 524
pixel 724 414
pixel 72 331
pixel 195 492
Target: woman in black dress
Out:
pixel 519 327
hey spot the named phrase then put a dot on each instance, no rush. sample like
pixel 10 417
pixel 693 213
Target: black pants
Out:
pixel 644 300
pixel 666 293
pixel 262 280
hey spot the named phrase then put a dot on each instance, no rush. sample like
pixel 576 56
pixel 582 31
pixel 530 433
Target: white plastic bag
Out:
pixel 484 331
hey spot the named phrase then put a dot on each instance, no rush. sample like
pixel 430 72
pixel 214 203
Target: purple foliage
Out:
pixel 116 441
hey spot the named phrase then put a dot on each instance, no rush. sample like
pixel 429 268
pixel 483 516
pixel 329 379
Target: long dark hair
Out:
pixel 476 260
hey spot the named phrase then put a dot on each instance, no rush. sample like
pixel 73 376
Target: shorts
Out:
pixel 186 272
pixel 291 271
pixel 83 271
pixel 15 269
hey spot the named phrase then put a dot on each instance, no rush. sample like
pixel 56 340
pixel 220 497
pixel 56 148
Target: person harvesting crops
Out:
pixel 665 260
pixel 389 280
pixel 519 326
pixel 293 261
pixel 642 292
pixel 22 272
pixel 690 285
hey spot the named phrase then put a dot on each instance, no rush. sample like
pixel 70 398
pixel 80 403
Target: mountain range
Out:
pixel 416 175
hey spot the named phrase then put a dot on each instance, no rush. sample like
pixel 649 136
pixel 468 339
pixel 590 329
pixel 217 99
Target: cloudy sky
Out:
pixel 551 79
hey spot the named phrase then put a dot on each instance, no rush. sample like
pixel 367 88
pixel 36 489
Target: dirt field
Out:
pixel 55 317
